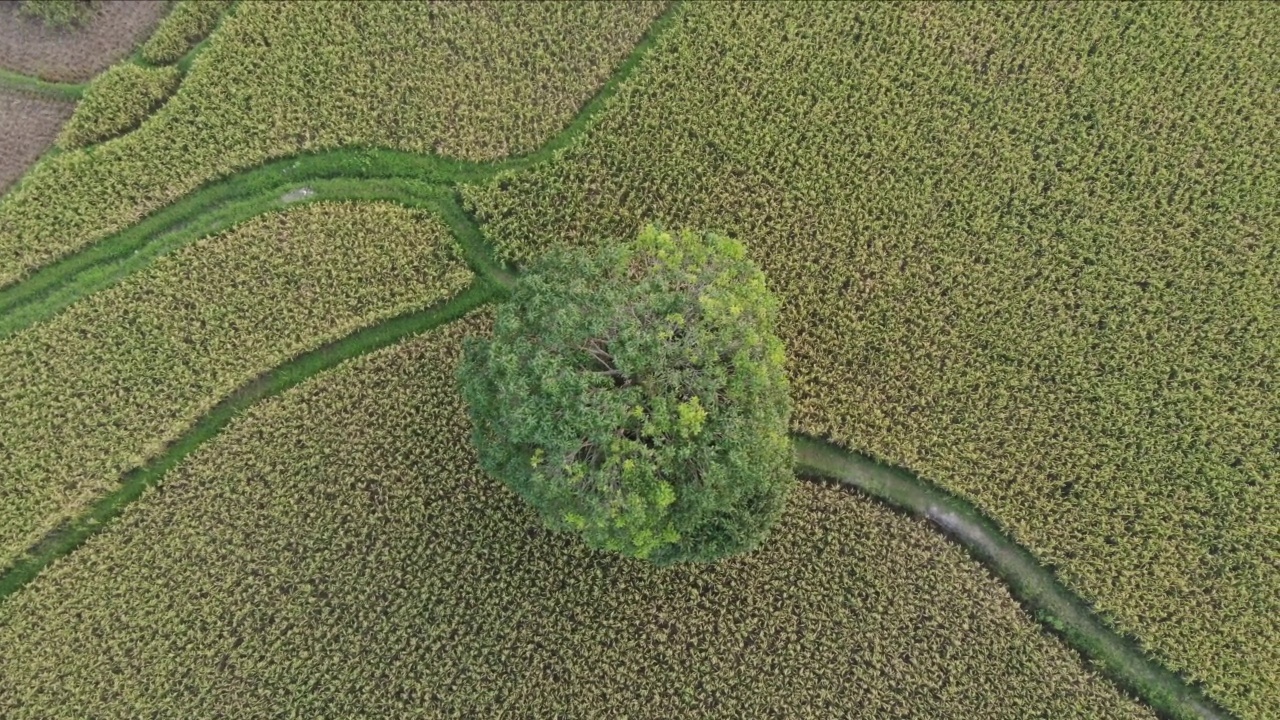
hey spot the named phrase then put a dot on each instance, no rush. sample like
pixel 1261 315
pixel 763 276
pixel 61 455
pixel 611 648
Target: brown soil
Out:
pixel 30 126
pixel 76 54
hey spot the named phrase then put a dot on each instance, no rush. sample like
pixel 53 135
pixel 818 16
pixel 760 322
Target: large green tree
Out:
pixel 638 396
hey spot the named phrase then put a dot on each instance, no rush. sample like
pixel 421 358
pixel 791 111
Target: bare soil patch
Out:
pixel 76 54
pixel 30 126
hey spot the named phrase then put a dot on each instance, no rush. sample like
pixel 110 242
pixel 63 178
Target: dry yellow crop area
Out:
pixel 1026 253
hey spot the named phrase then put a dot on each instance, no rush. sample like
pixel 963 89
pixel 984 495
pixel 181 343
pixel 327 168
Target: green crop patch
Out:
pixel 186 24
pixel 337 551
pixel 1028 251
pixel 103 386
pixel 474 81
pixel 117 101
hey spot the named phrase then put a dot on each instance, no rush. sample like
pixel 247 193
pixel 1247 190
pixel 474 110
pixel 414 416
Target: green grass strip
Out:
pixel 479 253
pixel 593 107
pixel 331 175
pixel 1034 585
pixel 10 80
pixel 257 189
pixel 56 286
pixel 71 535
pixel 59 285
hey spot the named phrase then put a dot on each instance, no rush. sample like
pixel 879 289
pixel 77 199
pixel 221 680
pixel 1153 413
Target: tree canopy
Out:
pixel 638 396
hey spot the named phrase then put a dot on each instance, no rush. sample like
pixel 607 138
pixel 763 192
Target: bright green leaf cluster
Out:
pixel 337 552
pixel 186 24
pixel 117 101
pixel 639 397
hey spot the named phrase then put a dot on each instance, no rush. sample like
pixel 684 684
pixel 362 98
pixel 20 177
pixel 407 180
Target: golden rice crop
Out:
pixel 1027 250
pixel 338 552
pixel 470 80
pixel 186 24
pixel 117 101
pixel 101 387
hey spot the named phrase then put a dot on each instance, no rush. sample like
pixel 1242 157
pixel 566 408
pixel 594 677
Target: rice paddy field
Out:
pixel 1028 259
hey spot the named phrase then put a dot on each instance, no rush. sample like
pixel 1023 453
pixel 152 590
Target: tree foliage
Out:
pixel 338 545
pixel 639 397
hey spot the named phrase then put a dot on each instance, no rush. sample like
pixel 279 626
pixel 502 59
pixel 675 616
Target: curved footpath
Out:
pixel 428 182
pixel 214 210
pixel 1035 586
pixel 10 80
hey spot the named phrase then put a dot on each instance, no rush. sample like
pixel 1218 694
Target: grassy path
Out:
pixel 67 538
pixel 1030 582
pixel 10 80
pixel 101 266
pixel 429 182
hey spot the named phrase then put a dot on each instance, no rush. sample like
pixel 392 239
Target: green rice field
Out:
pixel 1028 264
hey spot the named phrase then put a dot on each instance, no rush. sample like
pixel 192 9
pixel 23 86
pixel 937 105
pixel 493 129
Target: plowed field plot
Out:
pixel 111 31
pixel 30 126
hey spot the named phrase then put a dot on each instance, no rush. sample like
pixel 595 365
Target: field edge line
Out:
pixel 29 84
pixel 72 534
pixel 357 162
pixel 58 285
pixel 1052 604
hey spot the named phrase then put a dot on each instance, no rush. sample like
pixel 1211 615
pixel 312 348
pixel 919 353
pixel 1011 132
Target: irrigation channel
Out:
pixel 430 182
